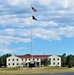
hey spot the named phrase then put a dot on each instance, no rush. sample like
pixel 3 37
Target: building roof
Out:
pixel 34 56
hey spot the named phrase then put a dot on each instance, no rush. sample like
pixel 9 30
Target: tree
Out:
pixel 63 60
pixel 45 62
pixel 70 61
pixel 3 59
pixel 28 54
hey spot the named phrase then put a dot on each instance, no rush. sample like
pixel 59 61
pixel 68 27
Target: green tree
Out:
pixel 70 61
pixel 45 62
pixel 1 61
pixel 63 60
pixel 4 59
pixel 28 54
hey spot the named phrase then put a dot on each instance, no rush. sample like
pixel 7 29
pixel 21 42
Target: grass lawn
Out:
pixel 35 71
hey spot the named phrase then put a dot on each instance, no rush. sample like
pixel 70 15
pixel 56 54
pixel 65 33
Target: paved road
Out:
pixel 68 73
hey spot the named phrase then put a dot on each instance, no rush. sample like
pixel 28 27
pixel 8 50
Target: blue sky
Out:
pixel 53 32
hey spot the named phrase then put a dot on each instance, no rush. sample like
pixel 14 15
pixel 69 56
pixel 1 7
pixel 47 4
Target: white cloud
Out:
pixel 9 36
pixel 15 32
pixel 13 20
pixel 55 18
pixel 44 2
pixel 67 31
pixel 18 2
pixel 55 4
pixel 11 39
pixel 5 50
pixel 46 34
pixel 55 34
pixel 44 24
pixel 71 3
pixel 65 3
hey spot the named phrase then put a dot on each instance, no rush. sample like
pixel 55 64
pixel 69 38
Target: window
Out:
pixel 58 63
pixel 26 64
pixel 57 58
pixel 17 59
pixel 41 59
pixel 22 59
pixel 12 59
pixel 17 64
pixel 53 58
pixel 25 59
pixel 33 59
pixel 8 59
pixel 8 63
pixel 12 63
pixel 54 63
pixel 29 59
pixel 37 59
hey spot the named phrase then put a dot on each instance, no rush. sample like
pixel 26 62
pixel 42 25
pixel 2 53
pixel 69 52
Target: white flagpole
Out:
pixel 32 35
pixel 31 40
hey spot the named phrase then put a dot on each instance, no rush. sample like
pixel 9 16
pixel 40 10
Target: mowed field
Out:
pixel 35 71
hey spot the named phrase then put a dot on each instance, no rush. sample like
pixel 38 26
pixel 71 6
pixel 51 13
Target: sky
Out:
pixel 52 33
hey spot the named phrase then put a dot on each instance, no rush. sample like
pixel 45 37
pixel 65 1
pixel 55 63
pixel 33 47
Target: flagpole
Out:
pixel 33 18
pixel 31 40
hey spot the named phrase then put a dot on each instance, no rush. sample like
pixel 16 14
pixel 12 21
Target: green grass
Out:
pixel 35 71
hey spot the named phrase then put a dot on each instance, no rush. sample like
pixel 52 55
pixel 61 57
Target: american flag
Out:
pixel 33 9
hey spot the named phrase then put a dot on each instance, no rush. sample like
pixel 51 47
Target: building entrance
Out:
pixel 31 65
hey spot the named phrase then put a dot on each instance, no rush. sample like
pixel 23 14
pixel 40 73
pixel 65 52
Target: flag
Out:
pixel 34 18
pixel 33 9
